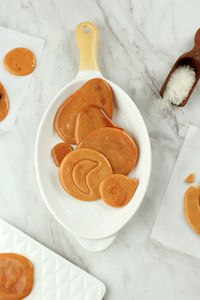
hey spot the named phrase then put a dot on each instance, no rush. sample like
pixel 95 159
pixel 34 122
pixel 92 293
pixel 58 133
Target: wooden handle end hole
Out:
pixel 86 29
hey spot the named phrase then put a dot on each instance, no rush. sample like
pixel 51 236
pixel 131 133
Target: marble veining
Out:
pixel 138 43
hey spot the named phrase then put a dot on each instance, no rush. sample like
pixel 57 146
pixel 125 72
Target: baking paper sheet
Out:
pixel 171 227
pixel 16 86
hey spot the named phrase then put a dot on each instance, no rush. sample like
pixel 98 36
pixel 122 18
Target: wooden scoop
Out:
pixel 191 58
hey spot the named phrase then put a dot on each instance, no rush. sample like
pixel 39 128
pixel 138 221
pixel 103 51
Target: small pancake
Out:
pixel 116 145
pixel 94 92
pixel 19 61
pixel 81 173
pixel 117 190
pixel 59 151
pixel 190 178
pixel 16 276
pixel 89 119
pixel 4 103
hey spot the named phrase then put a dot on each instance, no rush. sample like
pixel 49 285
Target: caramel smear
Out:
pixel 59 151
pixel 4 103
pixel 190 178
pixel 192 208
pixel 81 173
pixel 19 61
pixel 16 276
pixel 117 190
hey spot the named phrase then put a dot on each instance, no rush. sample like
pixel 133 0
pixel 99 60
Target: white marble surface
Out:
pixel 138 42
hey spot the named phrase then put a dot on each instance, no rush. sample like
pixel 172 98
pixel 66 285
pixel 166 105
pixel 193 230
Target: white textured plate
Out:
pixel 55 278
pixel 90 220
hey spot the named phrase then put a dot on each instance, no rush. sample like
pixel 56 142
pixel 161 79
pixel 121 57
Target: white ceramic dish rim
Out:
pixel 86 75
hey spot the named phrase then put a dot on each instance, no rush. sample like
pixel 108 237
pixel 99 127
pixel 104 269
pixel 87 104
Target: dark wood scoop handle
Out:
pixel 197 41
pixel 195 52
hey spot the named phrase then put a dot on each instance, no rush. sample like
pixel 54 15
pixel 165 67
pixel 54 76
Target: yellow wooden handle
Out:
pixel 87 38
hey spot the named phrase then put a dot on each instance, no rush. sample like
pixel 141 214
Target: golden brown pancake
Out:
pixel 116 145
pixel 16 276
pixel 94 92
pixel 4 103
pixel 117 190
pixel 81 173
pixel 59 151
pixel 89 119
pixel 192 208
pixel 19 61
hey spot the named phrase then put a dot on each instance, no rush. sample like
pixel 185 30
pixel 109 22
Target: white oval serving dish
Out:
pixel 94 224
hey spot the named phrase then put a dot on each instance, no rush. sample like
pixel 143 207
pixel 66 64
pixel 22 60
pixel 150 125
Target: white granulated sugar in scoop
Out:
pixel 177 88
pixel 179 84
